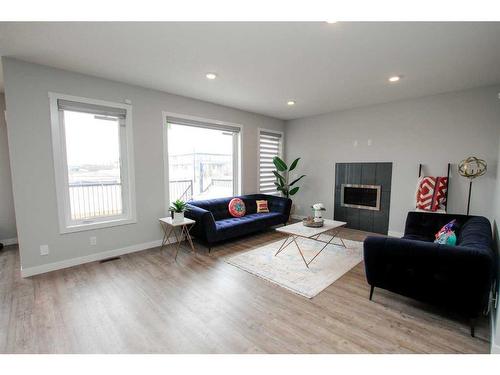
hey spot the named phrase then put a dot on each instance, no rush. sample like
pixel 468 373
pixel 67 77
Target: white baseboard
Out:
pixel 9 241
pixel 392 233
pixel 31 271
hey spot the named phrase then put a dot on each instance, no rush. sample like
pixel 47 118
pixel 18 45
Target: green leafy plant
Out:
pixel 178 206
pixel 282 174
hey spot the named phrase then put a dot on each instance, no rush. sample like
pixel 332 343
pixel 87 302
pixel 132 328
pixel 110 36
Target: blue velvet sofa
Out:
pixel 457 277
pixel 214 223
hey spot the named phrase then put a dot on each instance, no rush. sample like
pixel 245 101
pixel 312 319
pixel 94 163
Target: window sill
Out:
pixel 97 225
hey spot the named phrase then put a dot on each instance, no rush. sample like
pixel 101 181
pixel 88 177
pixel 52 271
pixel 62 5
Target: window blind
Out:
pixel 200 124
pixel 270 145
pixel 68 105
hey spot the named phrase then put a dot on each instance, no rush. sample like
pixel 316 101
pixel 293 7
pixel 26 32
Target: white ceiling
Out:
pixel 324 67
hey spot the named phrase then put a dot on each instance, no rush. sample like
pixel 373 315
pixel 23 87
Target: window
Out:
pixel 93 160
pixel 270 145
pixel 203 159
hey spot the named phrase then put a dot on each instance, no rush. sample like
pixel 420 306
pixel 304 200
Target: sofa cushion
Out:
pixel 236 226
pixel 218 207
pixel 427 224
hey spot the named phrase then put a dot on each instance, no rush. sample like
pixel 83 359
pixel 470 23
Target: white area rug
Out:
pixel 288 270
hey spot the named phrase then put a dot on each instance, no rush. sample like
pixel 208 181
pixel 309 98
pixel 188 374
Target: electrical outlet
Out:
pixel 93 241
pixel 44 249
pixel 355 143
pixel 369 143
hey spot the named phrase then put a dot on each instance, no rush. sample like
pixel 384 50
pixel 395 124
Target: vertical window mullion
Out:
pixel 124 178
pixel 235 164
pixel 63 168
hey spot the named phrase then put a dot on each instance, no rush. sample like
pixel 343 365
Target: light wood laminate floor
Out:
pixel 147 303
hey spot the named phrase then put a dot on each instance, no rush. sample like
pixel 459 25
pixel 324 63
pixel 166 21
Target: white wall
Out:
pixel 26 89
pixel 432 130
pixel 495 335
pixel 8 232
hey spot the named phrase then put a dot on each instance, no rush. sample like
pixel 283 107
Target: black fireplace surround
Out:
pixel 362 195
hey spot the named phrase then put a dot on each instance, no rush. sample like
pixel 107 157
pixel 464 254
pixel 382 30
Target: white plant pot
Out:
pixel 178 217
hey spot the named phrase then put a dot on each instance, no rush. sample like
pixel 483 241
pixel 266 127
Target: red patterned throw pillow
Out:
pixel 237 207
pixel 431 193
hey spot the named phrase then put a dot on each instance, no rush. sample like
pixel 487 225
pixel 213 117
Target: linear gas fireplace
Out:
pixel 366 197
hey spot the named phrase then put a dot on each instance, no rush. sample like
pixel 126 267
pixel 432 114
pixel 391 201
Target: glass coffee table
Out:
pixel 297 230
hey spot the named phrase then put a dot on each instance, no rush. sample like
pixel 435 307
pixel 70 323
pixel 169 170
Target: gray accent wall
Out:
pixel 8 231
pixel 376 221
pixel 432 130
pixel 28 119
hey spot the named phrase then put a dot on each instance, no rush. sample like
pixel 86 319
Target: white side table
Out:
pixel 169 226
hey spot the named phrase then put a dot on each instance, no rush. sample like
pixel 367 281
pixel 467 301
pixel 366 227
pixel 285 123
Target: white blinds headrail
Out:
pixel 270 145
pixel 201 124
pixel 68 105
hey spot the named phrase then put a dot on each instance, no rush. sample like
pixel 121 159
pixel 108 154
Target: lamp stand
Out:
pixel 468 200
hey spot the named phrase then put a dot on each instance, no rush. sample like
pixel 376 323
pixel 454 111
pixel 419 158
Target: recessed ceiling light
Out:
pixel 211 75
pixel 394 78
pixel 290 102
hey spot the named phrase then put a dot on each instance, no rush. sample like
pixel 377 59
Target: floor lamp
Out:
pixel 471 168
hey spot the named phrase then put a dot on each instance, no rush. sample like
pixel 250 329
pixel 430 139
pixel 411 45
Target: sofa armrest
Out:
pixel 427 269
pixel 205 223
pixel 280 204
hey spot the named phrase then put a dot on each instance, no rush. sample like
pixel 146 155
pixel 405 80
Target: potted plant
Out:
pixel 282 174
pixel 177 209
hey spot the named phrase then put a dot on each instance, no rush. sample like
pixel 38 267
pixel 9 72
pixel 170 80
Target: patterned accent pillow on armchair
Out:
pixel 446 234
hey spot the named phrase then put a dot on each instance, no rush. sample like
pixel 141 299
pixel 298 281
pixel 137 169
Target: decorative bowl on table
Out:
pixel 312 222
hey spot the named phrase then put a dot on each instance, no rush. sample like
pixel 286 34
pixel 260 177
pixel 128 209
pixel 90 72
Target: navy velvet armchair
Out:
pixel 458 277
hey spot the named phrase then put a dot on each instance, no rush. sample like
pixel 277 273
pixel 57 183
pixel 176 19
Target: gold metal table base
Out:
pixel 179 239
pixel 294 237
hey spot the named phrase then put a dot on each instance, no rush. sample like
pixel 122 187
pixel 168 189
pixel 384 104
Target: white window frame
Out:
pixel 237 152
pixel 129 216
pixel 281 154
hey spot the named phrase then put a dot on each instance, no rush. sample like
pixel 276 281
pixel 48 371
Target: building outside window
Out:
pixel 202 159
